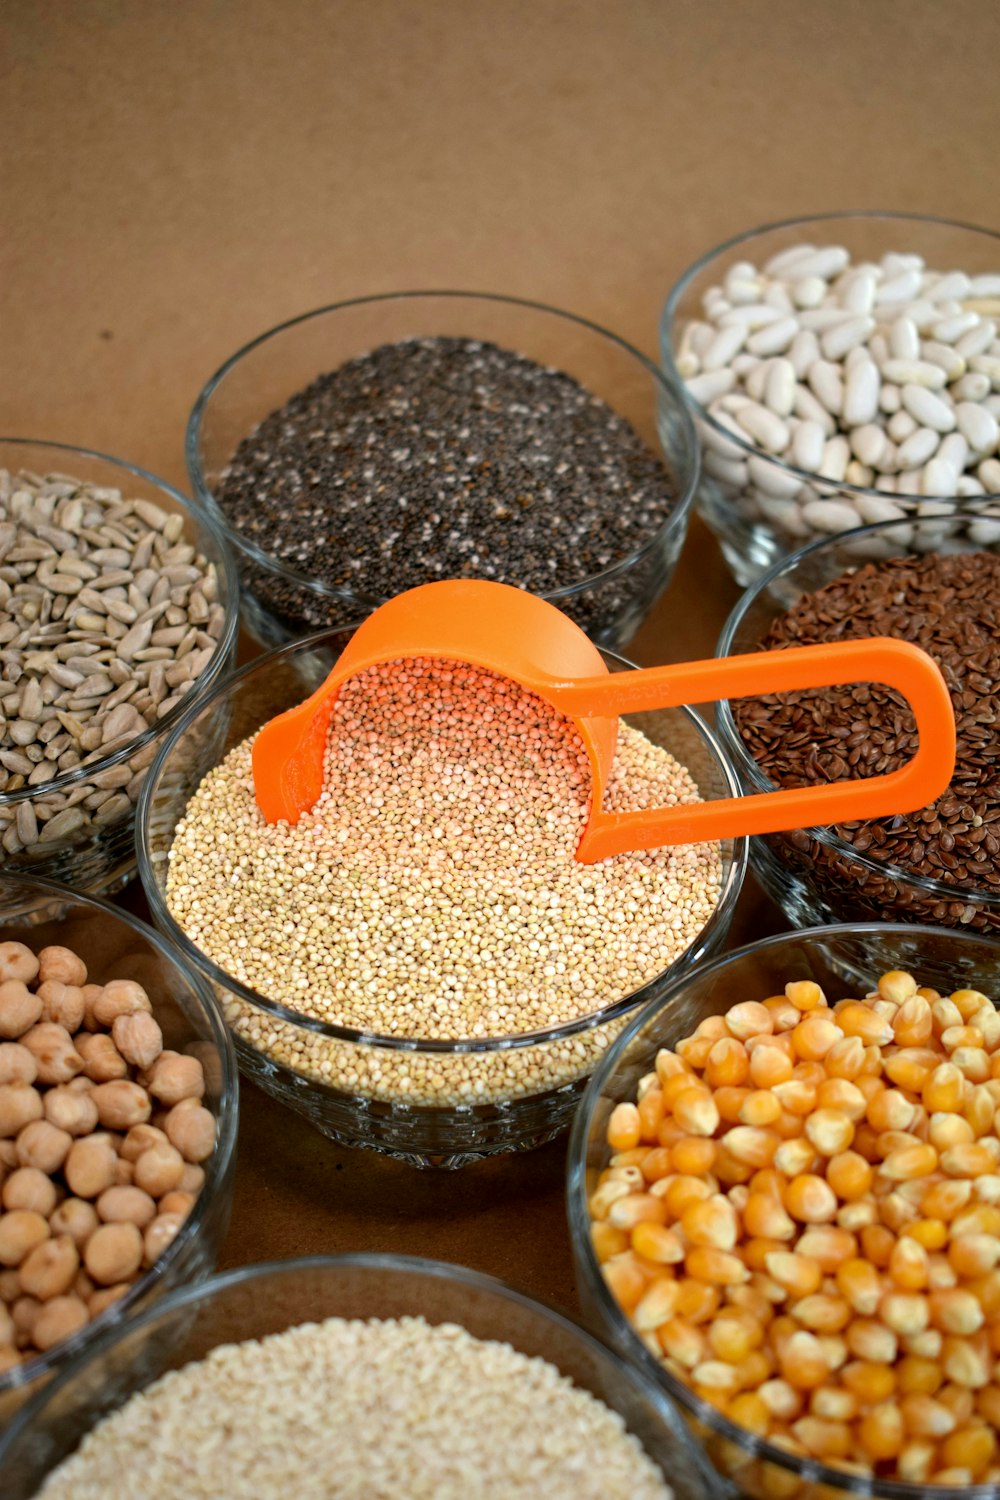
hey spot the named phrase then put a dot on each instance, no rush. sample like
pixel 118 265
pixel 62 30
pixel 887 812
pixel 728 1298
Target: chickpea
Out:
pixel 177 1203
pixel 8 1154
pixel 90 996
pixel 59 1319
pixel 24 1314
pixel 50 1268
pixel 7 1330
pixel 76 1218
pixel 81 1084
pixel 30 1189
pixel 159 1235
pixel 126 1205
pixel 10 1287
pixel 192 1131
pixel 140 1138
pixel 43 1146
pixel 62 1003
pixel 192 1180
pixel 174 1077
pixel 138 1038
pixel 70 1110
pixel 57 1059
pixel 17 962
pixel 20 1231
pixel 62 965
pixel 102 1062
pixel 113 1253
pixel 120 997
pixel 90 1166
pixel 19 1009
pixel 100 1301
pixel 121 1104
pixel 19 1105
pixel 159 1170
pixel 17 1064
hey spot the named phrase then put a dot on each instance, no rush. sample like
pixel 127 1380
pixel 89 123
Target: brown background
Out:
pixel 178 175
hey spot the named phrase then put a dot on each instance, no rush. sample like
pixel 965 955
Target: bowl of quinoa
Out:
pixel 367 447
pixel 420 965
pixel 387 1376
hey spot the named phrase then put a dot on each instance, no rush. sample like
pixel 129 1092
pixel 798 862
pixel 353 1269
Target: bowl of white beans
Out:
pixel 842 370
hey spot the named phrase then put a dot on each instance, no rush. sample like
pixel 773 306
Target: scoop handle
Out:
pixel 897 664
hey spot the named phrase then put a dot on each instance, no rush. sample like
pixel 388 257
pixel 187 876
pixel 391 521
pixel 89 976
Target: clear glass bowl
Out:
pixel 326 1091
pixel 813 874
pixel 281 603
pixel 746 493
pixel 116 945
pixel 98 856
pixel 840 959
pixel 256 1301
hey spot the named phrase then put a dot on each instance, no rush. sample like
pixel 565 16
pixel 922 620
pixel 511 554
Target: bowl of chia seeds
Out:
pixel 938 864
pixel 420 965
pixel 118 607
pixel 458 1386
pixel 374 445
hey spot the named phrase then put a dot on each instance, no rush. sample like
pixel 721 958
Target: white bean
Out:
pixel 774 338
pixel 826 384
pixel 921 445
pixel 987 364
pixel 829 261
pixel 914 372
pixel 929 410
pixel 977 340
pixel 984 286
pixel 921 312
pixel 836 457
pixel 772 480
pixel 868 444
pixel 950 329
pixel 836 341
pixel 705 388
pixel 872 510
pixel 750 315
pixel 954 284
pixel 889 399
pixel 954 450
pixel 900 425
pixel 984 533
pixel 726 343
pixel 968 486
pixel 808 409
pixel 779 387
pixel 809 292
pixel 786 515
pixel 988 474
pixel 861 391
pixel 944 355
pixel 900 288
pixel 729 471
pixel 859 474
pixel 904 340
pixel 978 426
pixel 776 295
pixel 756 381
pixel 764 427
pixel 939 478
pixel 803 350
pixel 858 294
pixel 831 515
pixel 808 442
pixel 782 261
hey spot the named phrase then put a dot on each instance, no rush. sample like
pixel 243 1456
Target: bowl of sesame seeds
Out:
pixel 373 445
pixel 386 1375
pixel 420 965
pixel 118 606
pixel 922 584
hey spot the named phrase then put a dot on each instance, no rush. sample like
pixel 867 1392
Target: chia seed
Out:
pixel 445 458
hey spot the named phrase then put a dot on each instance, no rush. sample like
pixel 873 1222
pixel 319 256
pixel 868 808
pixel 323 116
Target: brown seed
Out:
pixel 55 1055
pixel 121 1104
pixel 19 1009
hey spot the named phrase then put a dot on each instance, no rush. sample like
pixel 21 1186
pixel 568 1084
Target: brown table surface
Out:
pixel 176 178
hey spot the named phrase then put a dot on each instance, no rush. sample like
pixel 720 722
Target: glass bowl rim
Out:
pixel 462 1276
pixel 732 881
pixel 668 322
pixel 353 599
pixel 224 563
pixel 586 1263
pixel 748 768
pixel 216 1167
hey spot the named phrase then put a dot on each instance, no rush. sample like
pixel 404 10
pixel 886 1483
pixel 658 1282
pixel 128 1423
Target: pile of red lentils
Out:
pixel 801 1219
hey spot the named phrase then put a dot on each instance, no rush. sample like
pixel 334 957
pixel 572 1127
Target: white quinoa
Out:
pixel 432 892
pixel 386 1410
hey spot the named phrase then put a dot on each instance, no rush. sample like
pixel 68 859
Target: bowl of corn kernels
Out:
pixel 784 1199
pixel 237 1387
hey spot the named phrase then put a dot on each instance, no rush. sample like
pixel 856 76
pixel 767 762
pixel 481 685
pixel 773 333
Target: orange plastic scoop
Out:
pixel 522 637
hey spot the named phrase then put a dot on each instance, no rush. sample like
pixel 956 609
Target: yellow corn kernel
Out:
pixel 923 1417
pixel 607 1240
pixel 656 1305
pixel 871 1341
pixel 944 1199
pixel 944 1130
pixel 729 1100
pixel 898 986
pixel 695 1112
pixel 833 1403
pixel 715 1375
pixel 854 1216
pixel 973 1255
pixel 834 1349
pixel 915 1461
pixel 783 1013
pixel 988 1021
pixel 916 1376
pixel 656 1164
pixel 727 1064
pixel 765 1218
pixel 810 1199
pixel 955 1310
pixel 890 1110
pixel 896 1212
pixel 697 1302
pixel 625 1280
pixel 782 1400
pixel 877 1243
pixel 732 1337
pixel 657 1243
pixel 769 1065
pixel 748 1411
pixel 968 1002
pixel 828 1246
pixel 988 1404
pixel 796 1273
pixel 979 1109
pixel 961 1036
pixel 849 1175
pixel 651 1111
pixel 829 1130
pixel 823 1438
pixel 845 1058
pixel 668 1065
pixel 881 1433
pixel 861 1020
pixel 637 1208
pixel 953 1478
pixel 971 1448
pixel 869 1383
pixel 669 1132
pixel 718 1267
pixel 905 1313
pixel 684 1191
pixel 861 1285
pixel 805 995
pixel 978 1218
pixel 913 1024
pixel 946 1013
pixel 970 1160
pixel 729 1171
pixel 754 1148
pixel 932 1234
pixel 908 1265
pixel 750 1299
pixel 604 1195
pixel 944 1090
pixel 794 1157
pixel 940 1274
pixel 796 1097
pixel 965 1364
pixel 624 1127
pixel 821 1313
pixel 813 1037
pixel 692 1155
pixel 973 1064
pixel 909 1162
pixel 759 1108
pixel 888 1141
pixel 910 1068
pixel 959 1399
pixel 711 1222
pixel 801 1361
pixel 683 1342
pixel 926 1345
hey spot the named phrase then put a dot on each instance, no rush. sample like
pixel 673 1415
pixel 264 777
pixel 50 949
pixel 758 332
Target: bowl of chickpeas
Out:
pixel 784 1202
pixel 118 1108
